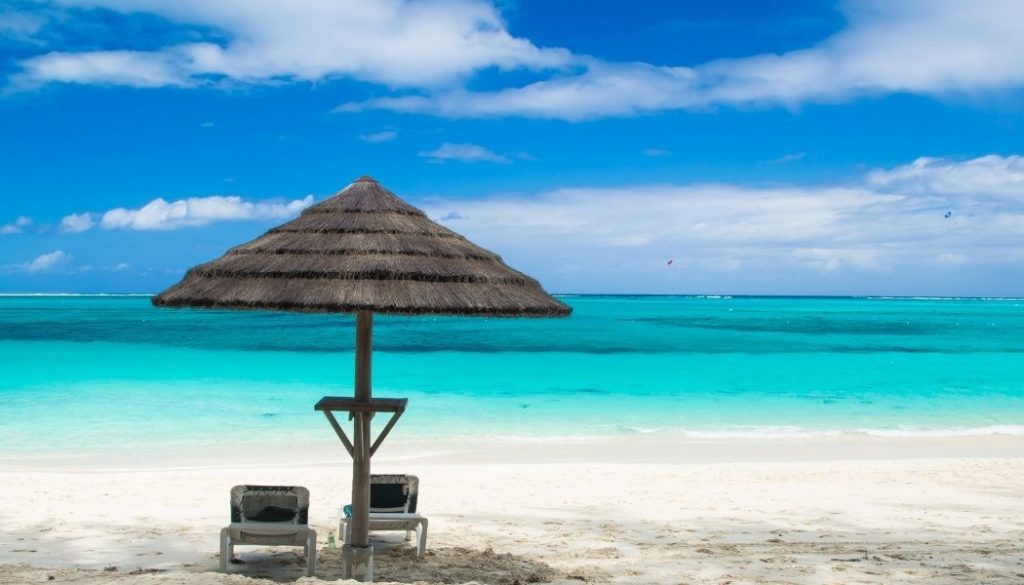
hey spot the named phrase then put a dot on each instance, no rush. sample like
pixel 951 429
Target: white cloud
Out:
pixel 470 153
pixel 16 227
pixel 929 47
pixel 20 25
pixel 990 175
pixel 605 89
pixel 832 259
pixel 76 223
pixel 788 158
pixel 376 137
pixel 770 234
pixel 450 216
pixel 131 68
pixel 160 214
pixel 48 261
pixel 42 263
pixel 523 155
pixel 410 43
pixel 703 215
pixel 918 46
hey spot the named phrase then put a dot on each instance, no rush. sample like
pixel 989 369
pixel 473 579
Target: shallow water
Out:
pixel 115 371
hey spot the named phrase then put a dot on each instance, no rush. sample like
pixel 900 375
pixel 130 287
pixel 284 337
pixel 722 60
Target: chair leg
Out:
pixel 225 549
pixel 311 553
pixel 408 536
pixel 421 538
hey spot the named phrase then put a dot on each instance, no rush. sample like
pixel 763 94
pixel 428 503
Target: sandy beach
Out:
pixel 835 510
pixel 704 292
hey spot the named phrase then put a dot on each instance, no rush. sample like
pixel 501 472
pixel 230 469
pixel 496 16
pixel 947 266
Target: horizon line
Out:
pixel 708 296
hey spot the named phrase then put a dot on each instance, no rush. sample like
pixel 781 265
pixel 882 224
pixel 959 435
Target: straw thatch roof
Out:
pixel 363 248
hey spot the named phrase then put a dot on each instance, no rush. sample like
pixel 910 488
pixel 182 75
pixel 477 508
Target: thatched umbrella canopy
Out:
pixel 361 251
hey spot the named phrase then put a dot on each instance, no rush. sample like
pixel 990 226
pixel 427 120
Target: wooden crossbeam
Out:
pixel 353 405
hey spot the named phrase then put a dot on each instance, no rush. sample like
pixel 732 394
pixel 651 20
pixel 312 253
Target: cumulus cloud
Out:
pixel 76 223
pixel 281 40
pixel 990 175
pixel 160 214
pixel 929 47
pixel 130 68
pixel 42 263
pixel 48 261
pixel 918 46
pixel 469 153
pixel 376 137
pixel 877 226
pixel 702 215
pixel 605 89
pixel 16 227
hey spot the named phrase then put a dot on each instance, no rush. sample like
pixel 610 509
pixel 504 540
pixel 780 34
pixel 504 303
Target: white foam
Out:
pixel 782 432
pixel 639 430
pixel 1011 430
pixel 758 432
pixel 769 432
pixel 548 439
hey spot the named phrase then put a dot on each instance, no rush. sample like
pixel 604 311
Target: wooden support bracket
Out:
pixel 339 431
pixel 331 404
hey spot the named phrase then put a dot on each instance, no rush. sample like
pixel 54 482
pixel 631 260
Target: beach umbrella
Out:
pixel 363 251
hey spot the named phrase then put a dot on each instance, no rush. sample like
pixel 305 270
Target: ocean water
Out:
pixel 110 372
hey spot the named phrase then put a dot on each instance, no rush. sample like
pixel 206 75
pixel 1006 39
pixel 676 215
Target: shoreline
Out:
pixel 652 448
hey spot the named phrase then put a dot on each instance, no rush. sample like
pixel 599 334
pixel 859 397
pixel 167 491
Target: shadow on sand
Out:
pixel 395 562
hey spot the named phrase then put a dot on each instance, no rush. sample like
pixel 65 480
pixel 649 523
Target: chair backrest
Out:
pixel 270 503
pixel 394 493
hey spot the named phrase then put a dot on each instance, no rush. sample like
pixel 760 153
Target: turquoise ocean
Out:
pixel 111 372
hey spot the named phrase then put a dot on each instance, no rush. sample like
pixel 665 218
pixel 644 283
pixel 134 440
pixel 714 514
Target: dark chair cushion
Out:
pixel 273 514
pixel 387 495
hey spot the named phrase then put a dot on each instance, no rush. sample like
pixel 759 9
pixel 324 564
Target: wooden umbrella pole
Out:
pixel 361 439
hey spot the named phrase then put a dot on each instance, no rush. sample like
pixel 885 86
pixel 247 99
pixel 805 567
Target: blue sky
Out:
pixel 764 147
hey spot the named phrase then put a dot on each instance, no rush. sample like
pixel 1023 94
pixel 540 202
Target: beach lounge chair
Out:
pixel 392 507
pixel 269 515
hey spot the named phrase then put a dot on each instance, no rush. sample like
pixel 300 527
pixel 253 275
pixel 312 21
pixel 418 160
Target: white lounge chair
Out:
pixel 269 515
pixel 392 507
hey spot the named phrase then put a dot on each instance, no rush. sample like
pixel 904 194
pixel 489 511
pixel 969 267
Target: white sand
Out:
pixel 842 510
